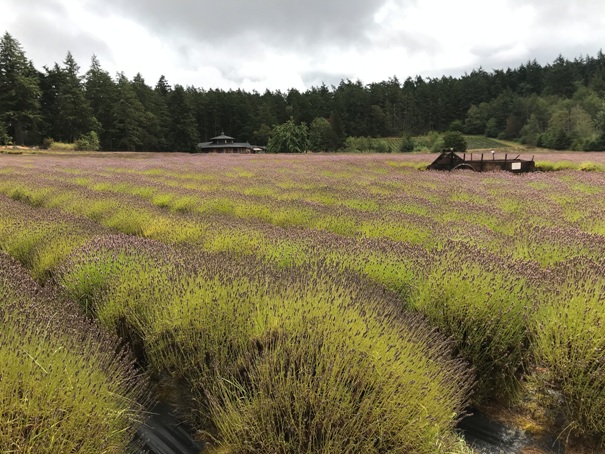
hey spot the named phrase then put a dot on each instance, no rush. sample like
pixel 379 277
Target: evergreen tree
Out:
pixel 262 135
pixel 182 134
pixel 19 91
pixel 4 137
pixel 320 100
pixel 321 136
pixel 102 95
pixel 531 78
pixel 51 81
pixel 160 110
pixel 354 107
pixel 531 131
pixel 155 107
pixel 561 78
pixel 75 117
pixel 129 117
pixel 338 128
pixel 476 120
pixel 163 87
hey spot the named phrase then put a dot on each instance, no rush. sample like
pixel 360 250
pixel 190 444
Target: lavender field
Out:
pixel 308 303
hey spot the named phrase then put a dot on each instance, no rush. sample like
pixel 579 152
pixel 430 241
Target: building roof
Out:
pixel 211 145
pixel 222 137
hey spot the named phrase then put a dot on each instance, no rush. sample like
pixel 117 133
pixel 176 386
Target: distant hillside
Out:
pixel 394 143
pixel 482 142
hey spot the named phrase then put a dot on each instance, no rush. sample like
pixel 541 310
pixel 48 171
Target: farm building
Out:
pixel 226 144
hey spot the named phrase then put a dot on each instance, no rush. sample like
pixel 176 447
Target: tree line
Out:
pixel 559 105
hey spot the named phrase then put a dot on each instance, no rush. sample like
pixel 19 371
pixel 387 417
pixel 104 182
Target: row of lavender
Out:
pixel 360 196
pixel 509 266
pixel 262 359
pixel 65 384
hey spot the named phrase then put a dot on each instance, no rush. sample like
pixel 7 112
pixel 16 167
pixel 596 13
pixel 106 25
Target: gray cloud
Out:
pixel 279 23
pixel 553 12
pixel 316 78
pixel 284 43
pixel 41 29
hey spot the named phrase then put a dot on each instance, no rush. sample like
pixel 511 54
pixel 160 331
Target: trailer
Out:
pixel 449 160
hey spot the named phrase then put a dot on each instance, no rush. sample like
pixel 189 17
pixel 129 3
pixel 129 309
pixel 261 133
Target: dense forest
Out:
pixel 560 105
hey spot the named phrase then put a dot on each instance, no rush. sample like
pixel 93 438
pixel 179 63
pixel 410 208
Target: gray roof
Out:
pixel 210 145
pixel 222 137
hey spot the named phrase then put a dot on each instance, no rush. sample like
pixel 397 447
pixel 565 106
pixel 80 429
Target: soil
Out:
pixel 164 433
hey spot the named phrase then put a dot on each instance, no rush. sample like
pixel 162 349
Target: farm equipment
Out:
pixel 448 160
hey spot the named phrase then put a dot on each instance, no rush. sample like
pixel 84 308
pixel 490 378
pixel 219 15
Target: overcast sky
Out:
pixel 282 44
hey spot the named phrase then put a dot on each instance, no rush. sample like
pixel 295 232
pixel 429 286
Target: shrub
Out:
pixel 37 238
pixel 47 143
pixel 545 166
pixel 64 388
pixel 322 136
pixel 303 399
pixel 61 146
pixel 289 138
pixel 456 125
pixel 491 128
pixel 407 144
pixel 438 145
pixel 558 140
pixel 359 144
pixel 570 341
pixel 296 361
pixel 565 165
pixel 380 146
pixel 5 139
pixel 481 302
pixel 88 142
pixel 549 166
pixel 591 167
pixel 454 140
pixel 593 143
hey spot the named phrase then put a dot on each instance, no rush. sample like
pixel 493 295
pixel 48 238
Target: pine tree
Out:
pixel 154 137
pixel 129 117
pixel 75 117
pixel 321 136
pixel 19 91
pixel 102 95
pixel 160 110
pixel 182 135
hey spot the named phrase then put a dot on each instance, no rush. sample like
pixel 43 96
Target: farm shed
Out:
pixel 448 160
pixel 226 144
